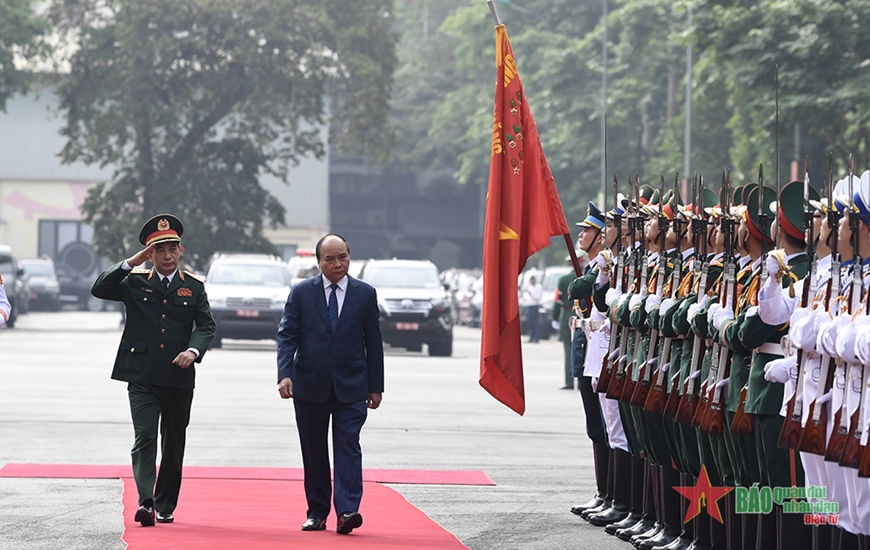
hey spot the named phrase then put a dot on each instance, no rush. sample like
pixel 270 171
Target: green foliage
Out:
pixel 20 32
pixel 190 102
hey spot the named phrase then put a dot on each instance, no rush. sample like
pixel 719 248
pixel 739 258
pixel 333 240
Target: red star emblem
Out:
pixel 703 495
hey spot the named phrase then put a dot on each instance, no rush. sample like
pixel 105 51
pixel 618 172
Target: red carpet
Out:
pixel 263 508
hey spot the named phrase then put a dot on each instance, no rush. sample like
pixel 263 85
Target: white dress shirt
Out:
pixel 342 292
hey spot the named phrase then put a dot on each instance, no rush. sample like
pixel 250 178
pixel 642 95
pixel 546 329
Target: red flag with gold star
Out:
pixel 523 212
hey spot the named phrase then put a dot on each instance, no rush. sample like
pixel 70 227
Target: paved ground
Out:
pixel 58 405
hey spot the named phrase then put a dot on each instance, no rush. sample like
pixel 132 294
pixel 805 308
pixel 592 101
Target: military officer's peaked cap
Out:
pixel 160 229
pixel 752 221
pixel 594 218
pixel 789 209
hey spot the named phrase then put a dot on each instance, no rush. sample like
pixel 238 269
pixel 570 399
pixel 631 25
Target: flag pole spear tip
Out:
pixel 494 11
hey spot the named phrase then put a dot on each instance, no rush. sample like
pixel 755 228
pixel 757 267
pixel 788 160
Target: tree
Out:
pixel 20 30
pixel 191 101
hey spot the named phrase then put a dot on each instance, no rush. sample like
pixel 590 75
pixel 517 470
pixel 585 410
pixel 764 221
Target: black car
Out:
pixel 414 305
pixel 44 286
pixel 15 283
pixel 75 289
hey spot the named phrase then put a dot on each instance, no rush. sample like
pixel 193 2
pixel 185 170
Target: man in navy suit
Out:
pixel 331 362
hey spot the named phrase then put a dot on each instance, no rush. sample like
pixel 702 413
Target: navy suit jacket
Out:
pixel 351 360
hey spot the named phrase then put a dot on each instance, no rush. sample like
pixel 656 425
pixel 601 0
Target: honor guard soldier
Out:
pixel 169 328
pixel 590 240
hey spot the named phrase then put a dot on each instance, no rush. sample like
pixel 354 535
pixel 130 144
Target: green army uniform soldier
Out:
pixel 158 349
pixel 563 311
pixel 778 466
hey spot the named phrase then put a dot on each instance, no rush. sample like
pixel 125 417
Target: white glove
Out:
pixel 846 335
pixel 666 306
pixel 722 314
pixel 862 342
pixel 666 366
pixel 711 311
pixel 779 370
pixel 601 262
pixel 695 374
pixel 611 296
pixel 723 382
pixel 825 398
pixel 694 309
pixel 800 331
pixel 605 328
pixel 773 269
pixel 555 325
pixel 652 302
pixel 634 301
pixel 827 339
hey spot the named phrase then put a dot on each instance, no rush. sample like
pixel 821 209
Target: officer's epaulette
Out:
pixel 140 271
pixel 195 276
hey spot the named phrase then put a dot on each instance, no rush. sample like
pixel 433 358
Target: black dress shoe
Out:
pixel 636 540
pixel 643 526
pixel 165 518
pixel 615 513
pixel 627 522
pixel 598 509
pixel 145 516
pixel 347 522
pixel 314 524
pixel 594 503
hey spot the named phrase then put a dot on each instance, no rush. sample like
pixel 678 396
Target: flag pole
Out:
pixel 494 10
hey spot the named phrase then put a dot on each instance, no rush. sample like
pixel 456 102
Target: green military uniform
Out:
pixel 158 328
pixel 562 312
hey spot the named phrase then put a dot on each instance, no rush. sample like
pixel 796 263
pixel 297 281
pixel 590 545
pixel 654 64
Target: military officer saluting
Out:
pixel 156 356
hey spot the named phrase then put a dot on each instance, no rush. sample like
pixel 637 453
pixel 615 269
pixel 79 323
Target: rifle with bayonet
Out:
pixel 641 271
pixel 743 422
pixel 617 381
pixel 641 392
pixel 607 366
pixel 851 456
pixel 790 435
pixel 714 417
pixel 707 385
pixel 657 400
pixel 689 401
pixel 815 433
pixel 674 386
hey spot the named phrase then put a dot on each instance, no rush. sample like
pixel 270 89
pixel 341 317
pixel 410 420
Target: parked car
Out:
pixel 44 286
pixel 247 293
pixel 413 303
pixel 75 289
pixel 15 284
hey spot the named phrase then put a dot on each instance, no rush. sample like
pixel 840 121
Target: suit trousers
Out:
pixel 312 422
pixel 166 409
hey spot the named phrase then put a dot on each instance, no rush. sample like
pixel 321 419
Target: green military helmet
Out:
pixel 753 224
pixel 672 205
pixel 709 202
pixel 789 209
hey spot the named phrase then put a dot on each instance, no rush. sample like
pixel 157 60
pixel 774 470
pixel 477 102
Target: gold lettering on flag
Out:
pixel 510 69
pixel 497 147
pixel 507 234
